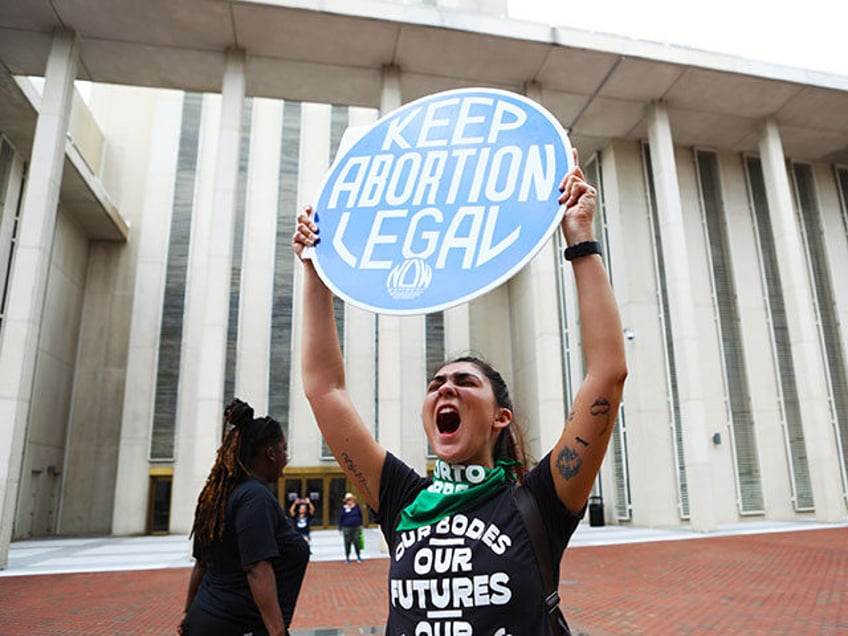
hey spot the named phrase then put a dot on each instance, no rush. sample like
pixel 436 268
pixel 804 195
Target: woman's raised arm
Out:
pixel 322 364
pixel 577 455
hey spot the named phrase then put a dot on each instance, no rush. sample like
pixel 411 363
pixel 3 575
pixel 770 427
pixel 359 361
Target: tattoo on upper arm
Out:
pixel 582 441
pixel 355 472
pixel 568 463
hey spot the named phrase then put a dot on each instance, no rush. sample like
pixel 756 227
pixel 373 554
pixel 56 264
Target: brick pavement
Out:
pixel 792 583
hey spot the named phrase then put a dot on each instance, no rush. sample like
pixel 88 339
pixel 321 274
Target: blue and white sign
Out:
pixel 440 201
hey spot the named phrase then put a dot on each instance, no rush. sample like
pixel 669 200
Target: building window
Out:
pixel 434 335
pixel 11 188
pixel 279 377
pixel 665 321
pixel 842 180
pixel 824 304
pixel 737 400
pixel 173 302
pixel 790 408
pixel 434 343
pixel 238 251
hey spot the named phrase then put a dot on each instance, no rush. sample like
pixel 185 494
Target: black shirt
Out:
pixel 301 524
pixel 473 572
pixel 256 529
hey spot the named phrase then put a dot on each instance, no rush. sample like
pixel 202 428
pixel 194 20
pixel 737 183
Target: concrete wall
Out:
pixel 86 135
pixel 650 435
pixel 44 463
pixel 125 115
pixel 152 232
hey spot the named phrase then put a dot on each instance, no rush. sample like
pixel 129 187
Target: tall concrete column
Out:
pixel 257 272
pixel 807 354
pixel 22 323
pixel 201 407
pixel 131 481
pixel 401 359
pixel 390 96
pixel 649 449
pixel 315 124
pixel 683 321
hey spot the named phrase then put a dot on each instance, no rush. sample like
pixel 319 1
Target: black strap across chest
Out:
pixel 529 510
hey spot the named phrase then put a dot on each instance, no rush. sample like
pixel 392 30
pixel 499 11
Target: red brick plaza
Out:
pixel 780 583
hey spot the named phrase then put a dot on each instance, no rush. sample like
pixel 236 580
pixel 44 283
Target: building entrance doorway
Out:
pixel 326 490
pixel 159 500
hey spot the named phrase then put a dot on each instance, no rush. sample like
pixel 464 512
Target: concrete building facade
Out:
pixel 148 276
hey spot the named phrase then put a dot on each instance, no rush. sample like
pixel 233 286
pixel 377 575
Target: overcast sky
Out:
pixel 812 34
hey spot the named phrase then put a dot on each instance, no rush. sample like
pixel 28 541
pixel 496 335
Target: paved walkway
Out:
pixel 755 578
pixel 110 554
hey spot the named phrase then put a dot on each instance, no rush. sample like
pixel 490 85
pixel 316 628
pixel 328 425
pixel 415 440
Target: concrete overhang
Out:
pixel 334 51
pixel 81 194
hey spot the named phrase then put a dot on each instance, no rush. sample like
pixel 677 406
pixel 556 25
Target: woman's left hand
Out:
pixel 580 199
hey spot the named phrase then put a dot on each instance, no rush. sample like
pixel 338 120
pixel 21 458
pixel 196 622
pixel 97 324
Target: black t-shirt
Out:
pixel 301 524
pixel 256 529
pixel 473 572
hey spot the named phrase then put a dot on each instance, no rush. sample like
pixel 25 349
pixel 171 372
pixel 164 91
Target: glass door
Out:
pixel 159 504
pixel 326 491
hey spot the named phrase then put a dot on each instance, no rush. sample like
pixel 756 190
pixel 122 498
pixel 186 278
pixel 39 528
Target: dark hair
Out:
pixel 510 442
pixel 244 438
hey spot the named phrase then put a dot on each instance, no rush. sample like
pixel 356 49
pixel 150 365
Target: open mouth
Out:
pixel 447 420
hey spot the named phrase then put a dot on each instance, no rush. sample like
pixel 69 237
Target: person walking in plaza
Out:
pixel 350 525
pixel 301 511
pixel 462 560
pixel 249 559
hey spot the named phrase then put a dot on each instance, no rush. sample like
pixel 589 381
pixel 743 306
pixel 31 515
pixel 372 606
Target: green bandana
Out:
pixel 454 488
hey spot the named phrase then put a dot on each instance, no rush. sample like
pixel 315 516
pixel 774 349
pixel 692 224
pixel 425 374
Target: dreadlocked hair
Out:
pixel 510 443
pixel 244 436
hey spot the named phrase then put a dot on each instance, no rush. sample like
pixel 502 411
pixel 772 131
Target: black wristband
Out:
pixel 581 249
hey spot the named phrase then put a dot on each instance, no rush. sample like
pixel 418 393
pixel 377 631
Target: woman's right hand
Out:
pixel 305 232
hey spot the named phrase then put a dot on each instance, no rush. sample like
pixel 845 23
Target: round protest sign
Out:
pixel 440 201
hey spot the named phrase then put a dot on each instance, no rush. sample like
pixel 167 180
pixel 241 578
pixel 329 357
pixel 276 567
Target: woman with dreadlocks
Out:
pixel 249 559
pixel 464 559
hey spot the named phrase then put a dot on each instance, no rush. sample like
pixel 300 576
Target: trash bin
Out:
pixel 596 511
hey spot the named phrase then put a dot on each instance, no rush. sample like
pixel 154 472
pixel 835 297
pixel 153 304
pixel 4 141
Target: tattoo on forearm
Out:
pixel 568 463
pixel 351 466
pixel 601 406
pixel 582 441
